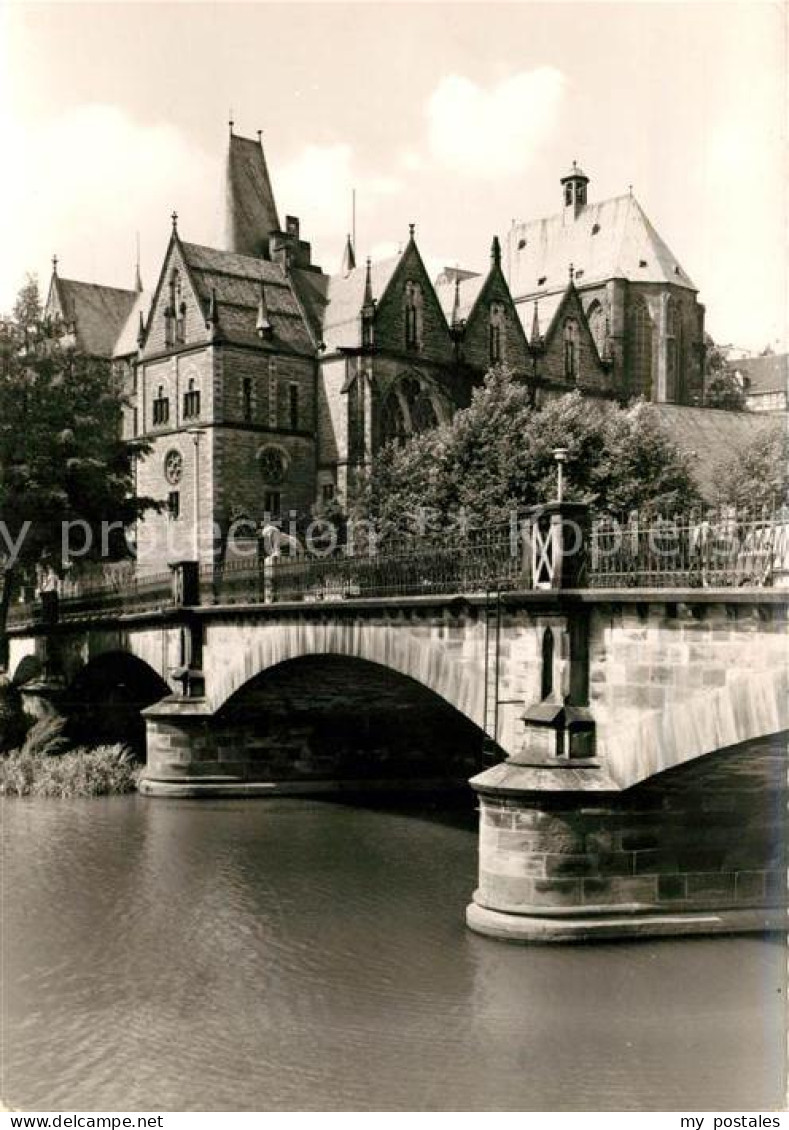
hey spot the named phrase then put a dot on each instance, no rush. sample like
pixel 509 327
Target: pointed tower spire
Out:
pixel 495 252
pixel 263 326
pixel 535 326
pixel 348 257
pixel 250 211
pixel 137 274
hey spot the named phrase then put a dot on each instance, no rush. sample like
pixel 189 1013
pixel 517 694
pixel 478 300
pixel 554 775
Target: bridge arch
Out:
pixel 237 655
pixel 346 719
pixel 105 697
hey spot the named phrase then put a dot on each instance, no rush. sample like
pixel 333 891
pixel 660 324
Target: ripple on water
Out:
pixel 304 955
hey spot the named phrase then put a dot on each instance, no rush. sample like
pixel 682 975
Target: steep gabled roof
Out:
pixel 344 298
pixel 763 374
pixel 709 434
pixel 98 312
pixel 236 281
pixel 610 239
pixel 250 211
pixel 127 343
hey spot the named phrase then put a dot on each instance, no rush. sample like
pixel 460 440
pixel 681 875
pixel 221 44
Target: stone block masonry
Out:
pixel 698 849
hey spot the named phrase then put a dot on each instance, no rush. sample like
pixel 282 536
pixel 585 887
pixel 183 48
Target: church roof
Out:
pixel 469 289
pixel 610 239
pixel 344 299
pixel 99 312
pixel 127 338
pixel 709 434
pixel 250 210
pixel 236 280
pixel 763 374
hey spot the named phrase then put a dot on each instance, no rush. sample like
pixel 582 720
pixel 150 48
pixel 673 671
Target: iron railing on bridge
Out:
pixel 722 550
pixel 715 550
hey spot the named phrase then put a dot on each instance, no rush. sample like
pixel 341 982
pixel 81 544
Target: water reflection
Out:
pixel 304 955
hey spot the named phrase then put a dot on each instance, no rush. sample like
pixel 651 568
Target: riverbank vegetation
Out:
pixel 39 759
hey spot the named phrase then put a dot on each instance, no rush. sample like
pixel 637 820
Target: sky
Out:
pixel 459 117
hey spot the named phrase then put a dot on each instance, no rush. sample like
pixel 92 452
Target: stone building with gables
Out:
pixel 265 385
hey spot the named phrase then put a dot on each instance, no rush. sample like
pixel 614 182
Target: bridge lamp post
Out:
pixel 560 455
pixel 196 434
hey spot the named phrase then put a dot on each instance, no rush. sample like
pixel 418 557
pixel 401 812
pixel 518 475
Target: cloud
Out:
pixel 318 184
pixel 487 133
pixel 85 182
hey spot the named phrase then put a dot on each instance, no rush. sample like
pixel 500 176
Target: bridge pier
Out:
pixel 698 849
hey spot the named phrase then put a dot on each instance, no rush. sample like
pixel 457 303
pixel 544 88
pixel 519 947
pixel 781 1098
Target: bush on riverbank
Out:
pixel 104 771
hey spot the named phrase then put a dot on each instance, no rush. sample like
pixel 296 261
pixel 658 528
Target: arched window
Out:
pixel 571 342
pixel 191 401
pixel 413 315
pixel 639 346
pixel 394 428
pixel 546 678
pixel 675 374
pixel 568 194
pixel 496 337
pixel 597 324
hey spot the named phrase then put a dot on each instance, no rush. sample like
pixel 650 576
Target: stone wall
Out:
pixel 706 842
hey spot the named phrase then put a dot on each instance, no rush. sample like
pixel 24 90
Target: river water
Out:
pixel 306 955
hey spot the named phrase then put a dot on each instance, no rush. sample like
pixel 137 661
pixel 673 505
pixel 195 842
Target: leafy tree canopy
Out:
pixel 757 476
pixel 62 458
pixel 498 454
pixel 721 387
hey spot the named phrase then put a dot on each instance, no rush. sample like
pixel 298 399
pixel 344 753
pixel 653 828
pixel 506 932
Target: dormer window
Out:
pixel 161 407
pixel 191 401
pixel 413 315
pixel 571 343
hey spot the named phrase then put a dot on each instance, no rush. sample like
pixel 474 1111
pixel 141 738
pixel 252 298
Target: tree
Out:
pixel 757 475
pixel 62 457
pixel 721 387
pixel 497 455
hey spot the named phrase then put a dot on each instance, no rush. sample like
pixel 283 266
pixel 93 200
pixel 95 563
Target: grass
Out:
pixel 104 771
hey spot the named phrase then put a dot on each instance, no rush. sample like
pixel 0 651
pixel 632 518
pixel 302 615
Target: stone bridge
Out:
pixel 626 746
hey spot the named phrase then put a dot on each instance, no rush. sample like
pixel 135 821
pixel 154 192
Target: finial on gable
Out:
pixel 259 132
pixel 495 252
pixel 571 273
pixel 141 331
pixel 174 219
pixel 230 121
pixel 369 301
pixel 55 265
pixel 411 230
pixel 212 319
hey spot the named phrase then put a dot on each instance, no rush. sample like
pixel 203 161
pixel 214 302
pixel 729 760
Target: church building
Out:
pixel 266 385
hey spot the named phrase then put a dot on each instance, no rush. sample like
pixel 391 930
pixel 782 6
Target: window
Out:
pixel 568 194
pixel 327 493
pixel 639 346
pixel 161 407
pixel 174 505
pixel 571 349
pixel 191 401
pixel 413 315
pixel 272 465
pixel 496 322
pixel 546 681
pixel 272 503
pixel 675 369
pixel 597 325
pixel 175 312
pixel 246 398
pixel 580 193
pixel 393 423
pixel 293 406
